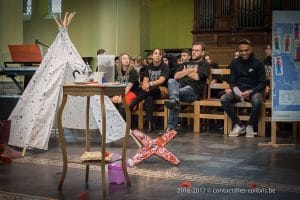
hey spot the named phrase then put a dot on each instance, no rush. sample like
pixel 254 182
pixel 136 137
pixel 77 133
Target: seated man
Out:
pixel 247 82
pixel 188 84
pixel 185 55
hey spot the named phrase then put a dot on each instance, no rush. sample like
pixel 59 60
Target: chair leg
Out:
pixel 87 170
pixel 166 115
pixel 197 117
pixel 225 124
pixel 140 116
pixel 296 129
pixel 262 121
pixel 229 125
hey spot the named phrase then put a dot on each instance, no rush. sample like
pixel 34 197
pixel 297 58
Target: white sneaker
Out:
pixel 237 130
pixel 130 163
pixel 250 132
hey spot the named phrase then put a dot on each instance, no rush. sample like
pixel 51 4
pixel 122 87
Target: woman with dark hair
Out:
pixel 153 85
pixel 139 67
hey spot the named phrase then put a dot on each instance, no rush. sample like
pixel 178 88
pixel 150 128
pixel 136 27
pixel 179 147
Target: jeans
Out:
pixel 178 93
pixel 227 101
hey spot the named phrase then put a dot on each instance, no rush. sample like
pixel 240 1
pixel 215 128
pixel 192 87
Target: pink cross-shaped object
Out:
pixel 154 147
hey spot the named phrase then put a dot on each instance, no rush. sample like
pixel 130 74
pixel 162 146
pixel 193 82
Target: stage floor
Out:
pixel 216 166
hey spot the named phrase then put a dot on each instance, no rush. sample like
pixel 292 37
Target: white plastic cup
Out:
pixel 98 77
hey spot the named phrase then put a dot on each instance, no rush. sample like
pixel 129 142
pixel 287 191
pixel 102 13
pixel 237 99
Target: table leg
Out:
pixel 103 144
pixel 125 142
pixel 62 141
pixel 274 133
pixel 17 84
pixel 87 135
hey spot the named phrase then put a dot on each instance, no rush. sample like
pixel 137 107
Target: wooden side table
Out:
pixel 91 90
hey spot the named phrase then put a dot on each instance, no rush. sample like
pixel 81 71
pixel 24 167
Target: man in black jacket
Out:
pixel 247 82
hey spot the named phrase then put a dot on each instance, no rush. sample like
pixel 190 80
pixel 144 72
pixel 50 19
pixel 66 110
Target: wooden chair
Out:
pixel 266 117
pixel 203 107
pixel 139 114
pixel 245 116
pixel 159 111
pixel 190 111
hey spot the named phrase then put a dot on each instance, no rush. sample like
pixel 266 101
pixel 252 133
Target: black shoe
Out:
pixel 132 107
pixel 172 104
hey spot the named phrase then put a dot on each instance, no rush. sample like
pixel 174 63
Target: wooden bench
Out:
pixel 189 111
pixel 266 117
pixel 203 107
pixel 193 110
pixel 246 117
pixel 160 111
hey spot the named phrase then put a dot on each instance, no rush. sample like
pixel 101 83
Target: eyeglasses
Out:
pixel 196 49
pixel 244 50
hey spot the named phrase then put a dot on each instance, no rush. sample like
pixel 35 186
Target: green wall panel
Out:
pixel 116 25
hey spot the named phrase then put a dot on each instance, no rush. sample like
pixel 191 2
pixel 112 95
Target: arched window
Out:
pixel 250 13
pixel 27 7
pixel 207 12
pixel 46 8
pixel 27 10
pixel 55 6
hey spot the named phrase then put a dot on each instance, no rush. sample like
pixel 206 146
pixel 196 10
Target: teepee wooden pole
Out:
pixel 70 17
pixel 55 19
pixel 24 151
pixel 65 22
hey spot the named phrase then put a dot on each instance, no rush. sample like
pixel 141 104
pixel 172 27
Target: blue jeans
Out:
pixel 227 101
pixel 178 93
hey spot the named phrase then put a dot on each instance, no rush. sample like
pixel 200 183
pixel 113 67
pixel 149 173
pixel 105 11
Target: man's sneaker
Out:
pixel 172 104
pixel 170 129
pixel 250 132
pixel 130 163
pixel 237 130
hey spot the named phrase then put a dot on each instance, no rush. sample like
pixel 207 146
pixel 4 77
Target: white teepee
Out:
pixel 34 115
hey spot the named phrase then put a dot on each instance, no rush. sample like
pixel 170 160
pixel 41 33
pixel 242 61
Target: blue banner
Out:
pixel 286 66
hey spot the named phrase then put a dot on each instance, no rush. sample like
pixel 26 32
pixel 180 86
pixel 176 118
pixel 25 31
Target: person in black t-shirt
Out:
pixel 153 86
pixel 188 84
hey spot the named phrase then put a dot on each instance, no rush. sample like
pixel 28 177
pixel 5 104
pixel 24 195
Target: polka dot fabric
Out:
pixel 35 113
